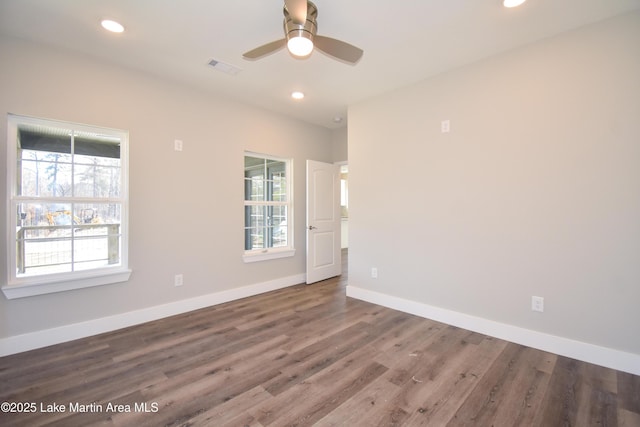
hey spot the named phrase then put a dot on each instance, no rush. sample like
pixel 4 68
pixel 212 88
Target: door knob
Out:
pixel 311 227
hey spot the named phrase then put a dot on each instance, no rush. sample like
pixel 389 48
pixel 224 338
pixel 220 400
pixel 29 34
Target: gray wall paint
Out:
pixel 536 190
pixel 340 137
pixel 186 212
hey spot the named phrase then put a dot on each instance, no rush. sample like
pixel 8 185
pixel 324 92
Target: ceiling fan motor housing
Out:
pixel 307 30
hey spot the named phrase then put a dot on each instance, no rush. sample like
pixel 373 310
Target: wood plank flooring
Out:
pixel 307 355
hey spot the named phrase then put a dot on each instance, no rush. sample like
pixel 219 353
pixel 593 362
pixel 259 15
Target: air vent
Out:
pixel 225 68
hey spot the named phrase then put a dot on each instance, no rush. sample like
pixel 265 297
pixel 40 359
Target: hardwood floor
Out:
pixel 307 355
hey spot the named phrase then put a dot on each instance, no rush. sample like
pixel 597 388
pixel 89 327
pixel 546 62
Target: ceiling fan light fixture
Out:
pixel 300 45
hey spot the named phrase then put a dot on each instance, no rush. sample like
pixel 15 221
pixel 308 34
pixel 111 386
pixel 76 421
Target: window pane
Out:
pixel 43 214
pixel 48 233
pixel 278 226
pixel 43 239
pixel 97 213
pixel 253 163
pixel 255 217
pixel 96 181
pixel 44 138
pixel 279 189
pixel 254 238
pixel 90 145
pixel 51 255
pixel 98 250
pixel 97 235
pixel 44 174
pixel 276 168
pixel 254 174
pixel 254 189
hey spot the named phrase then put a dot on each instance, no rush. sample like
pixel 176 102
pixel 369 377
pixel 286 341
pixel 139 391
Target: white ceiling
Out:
pixel 404 41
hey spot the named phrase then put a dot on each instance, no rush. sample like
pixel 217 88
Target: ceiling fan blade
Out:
pixel 338 49
pixel 265 50
pixel 297 10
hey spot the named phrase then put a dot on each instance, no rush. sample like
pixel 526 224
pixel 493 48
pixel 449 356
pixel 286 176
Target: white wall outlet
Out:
pixel 178 280
pixel 177 145
pixel 374 273
pixel 445 126
pixel 537 304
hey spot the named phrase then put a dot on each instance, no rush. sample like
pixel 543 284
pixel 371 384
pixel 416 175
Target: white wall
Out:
pixel 535 191
pixel 186 209
pixel 339 139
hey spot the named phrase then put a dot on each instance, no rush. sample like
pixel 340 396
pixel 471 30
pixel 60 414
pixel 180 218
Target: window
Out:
pixel 267 208
pixel 68 206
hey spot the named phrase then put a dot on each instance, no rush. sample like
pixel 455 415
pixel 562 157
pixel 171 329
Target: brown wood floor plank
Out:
pixel 598 395
pixel 628 418
pixel 312 399
pixel 445 394
pixel 233 411
pixel 320 327
pixel 628 392
pixel 370 403
pixel 316 357
pixel 484 406
pixel 521 400
pixel 561 403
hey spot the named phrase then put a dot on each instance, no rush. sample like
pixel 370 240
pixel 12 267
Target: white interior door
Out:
pixel 323 221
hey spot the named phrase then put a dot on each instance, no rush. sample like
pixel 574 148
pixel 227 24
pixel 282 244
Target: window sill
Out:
pixel 268 254
pixel 65 283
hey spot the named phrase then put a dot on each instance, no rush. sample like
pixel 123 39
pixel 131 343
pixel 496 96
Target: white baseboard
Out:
pixel 603 356
pixel 47 337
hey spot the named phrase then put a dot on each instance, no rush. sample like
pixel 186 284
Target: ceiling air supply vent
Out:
pixel 225 68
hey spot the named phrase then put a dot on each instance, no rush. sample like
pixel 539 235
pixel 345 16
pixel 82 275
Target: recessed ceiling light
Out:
pixel 297 95
pixel 512 3
pixel 113 26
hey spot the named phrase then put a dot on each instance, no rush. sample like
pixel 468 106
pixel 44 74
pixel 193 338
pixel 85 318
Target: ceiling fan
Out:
pixel 300 36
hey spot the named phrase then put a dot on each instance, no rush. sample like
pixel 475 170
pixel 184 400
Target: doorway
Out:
pixel 344 206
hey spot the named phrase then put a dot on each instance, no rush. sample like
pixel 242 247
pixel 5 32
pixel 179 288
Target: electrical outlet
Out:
pixel 537 304
pixel 178 280
pixel 177 145
pixel 445 126
pixel 374 273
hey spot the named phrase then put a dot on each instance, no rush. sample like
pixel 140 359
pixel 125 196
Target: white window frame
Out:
pixel 273 252
pixel 25 286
